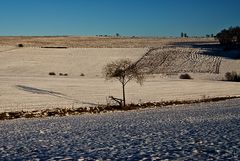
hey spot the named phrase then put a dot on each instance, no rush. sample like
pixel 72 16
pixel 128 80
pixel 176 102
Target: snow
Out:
pixel 201 131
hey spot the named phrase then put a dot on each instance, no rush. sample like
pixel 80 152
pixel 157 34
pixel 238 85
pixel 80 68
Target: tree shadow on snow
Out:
pixel 51 93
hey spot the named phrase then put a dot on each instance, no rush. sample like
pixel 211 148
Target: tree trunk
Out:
pixel 124 100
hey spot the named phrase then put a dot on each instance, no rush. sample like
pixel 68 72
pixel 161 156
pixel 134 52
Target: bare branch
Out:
pixel 124 71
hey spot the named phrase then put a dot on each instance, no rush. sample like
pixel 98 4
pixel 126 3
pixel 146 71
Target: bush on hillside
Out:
pixel 51 73
pixel 185 76
pixel 232 76
pixel 20 45
pixel 61 74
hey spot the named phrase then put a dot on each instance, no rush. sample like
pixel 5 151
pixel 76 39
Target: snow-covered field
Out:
pixel 207 131
pixel 26 85
pixel 30 93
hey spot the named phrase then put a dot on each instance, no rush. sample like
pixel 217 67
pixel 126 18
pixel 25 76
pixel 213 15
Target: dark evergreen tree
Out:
pixel 230 38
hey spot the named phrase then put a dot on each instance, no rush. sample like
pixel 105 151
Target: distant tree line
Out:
pixel 208 36
pixel 117 35
pixel 229 38
pixel 184 34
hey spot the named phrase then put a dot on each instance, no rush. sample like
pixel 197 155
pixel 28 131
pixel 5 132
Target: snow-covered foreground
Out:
pixel 207 131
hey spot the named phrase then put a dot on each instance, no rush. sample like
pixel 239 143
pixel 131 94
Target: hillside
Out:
pixel 25 83
pixel 178 60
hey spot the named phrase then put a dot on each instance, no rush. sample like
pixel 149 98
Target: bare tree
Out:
pixel 124 71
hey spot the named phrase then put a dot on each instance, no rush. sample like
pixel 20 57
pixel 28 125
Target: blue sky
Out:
pixel 127 17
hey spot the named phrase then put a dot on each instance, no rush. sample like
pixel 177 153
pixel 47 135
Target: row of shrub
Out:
pixel 60 74
pixel 63 74
pixel 100 109
pixel 229 76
